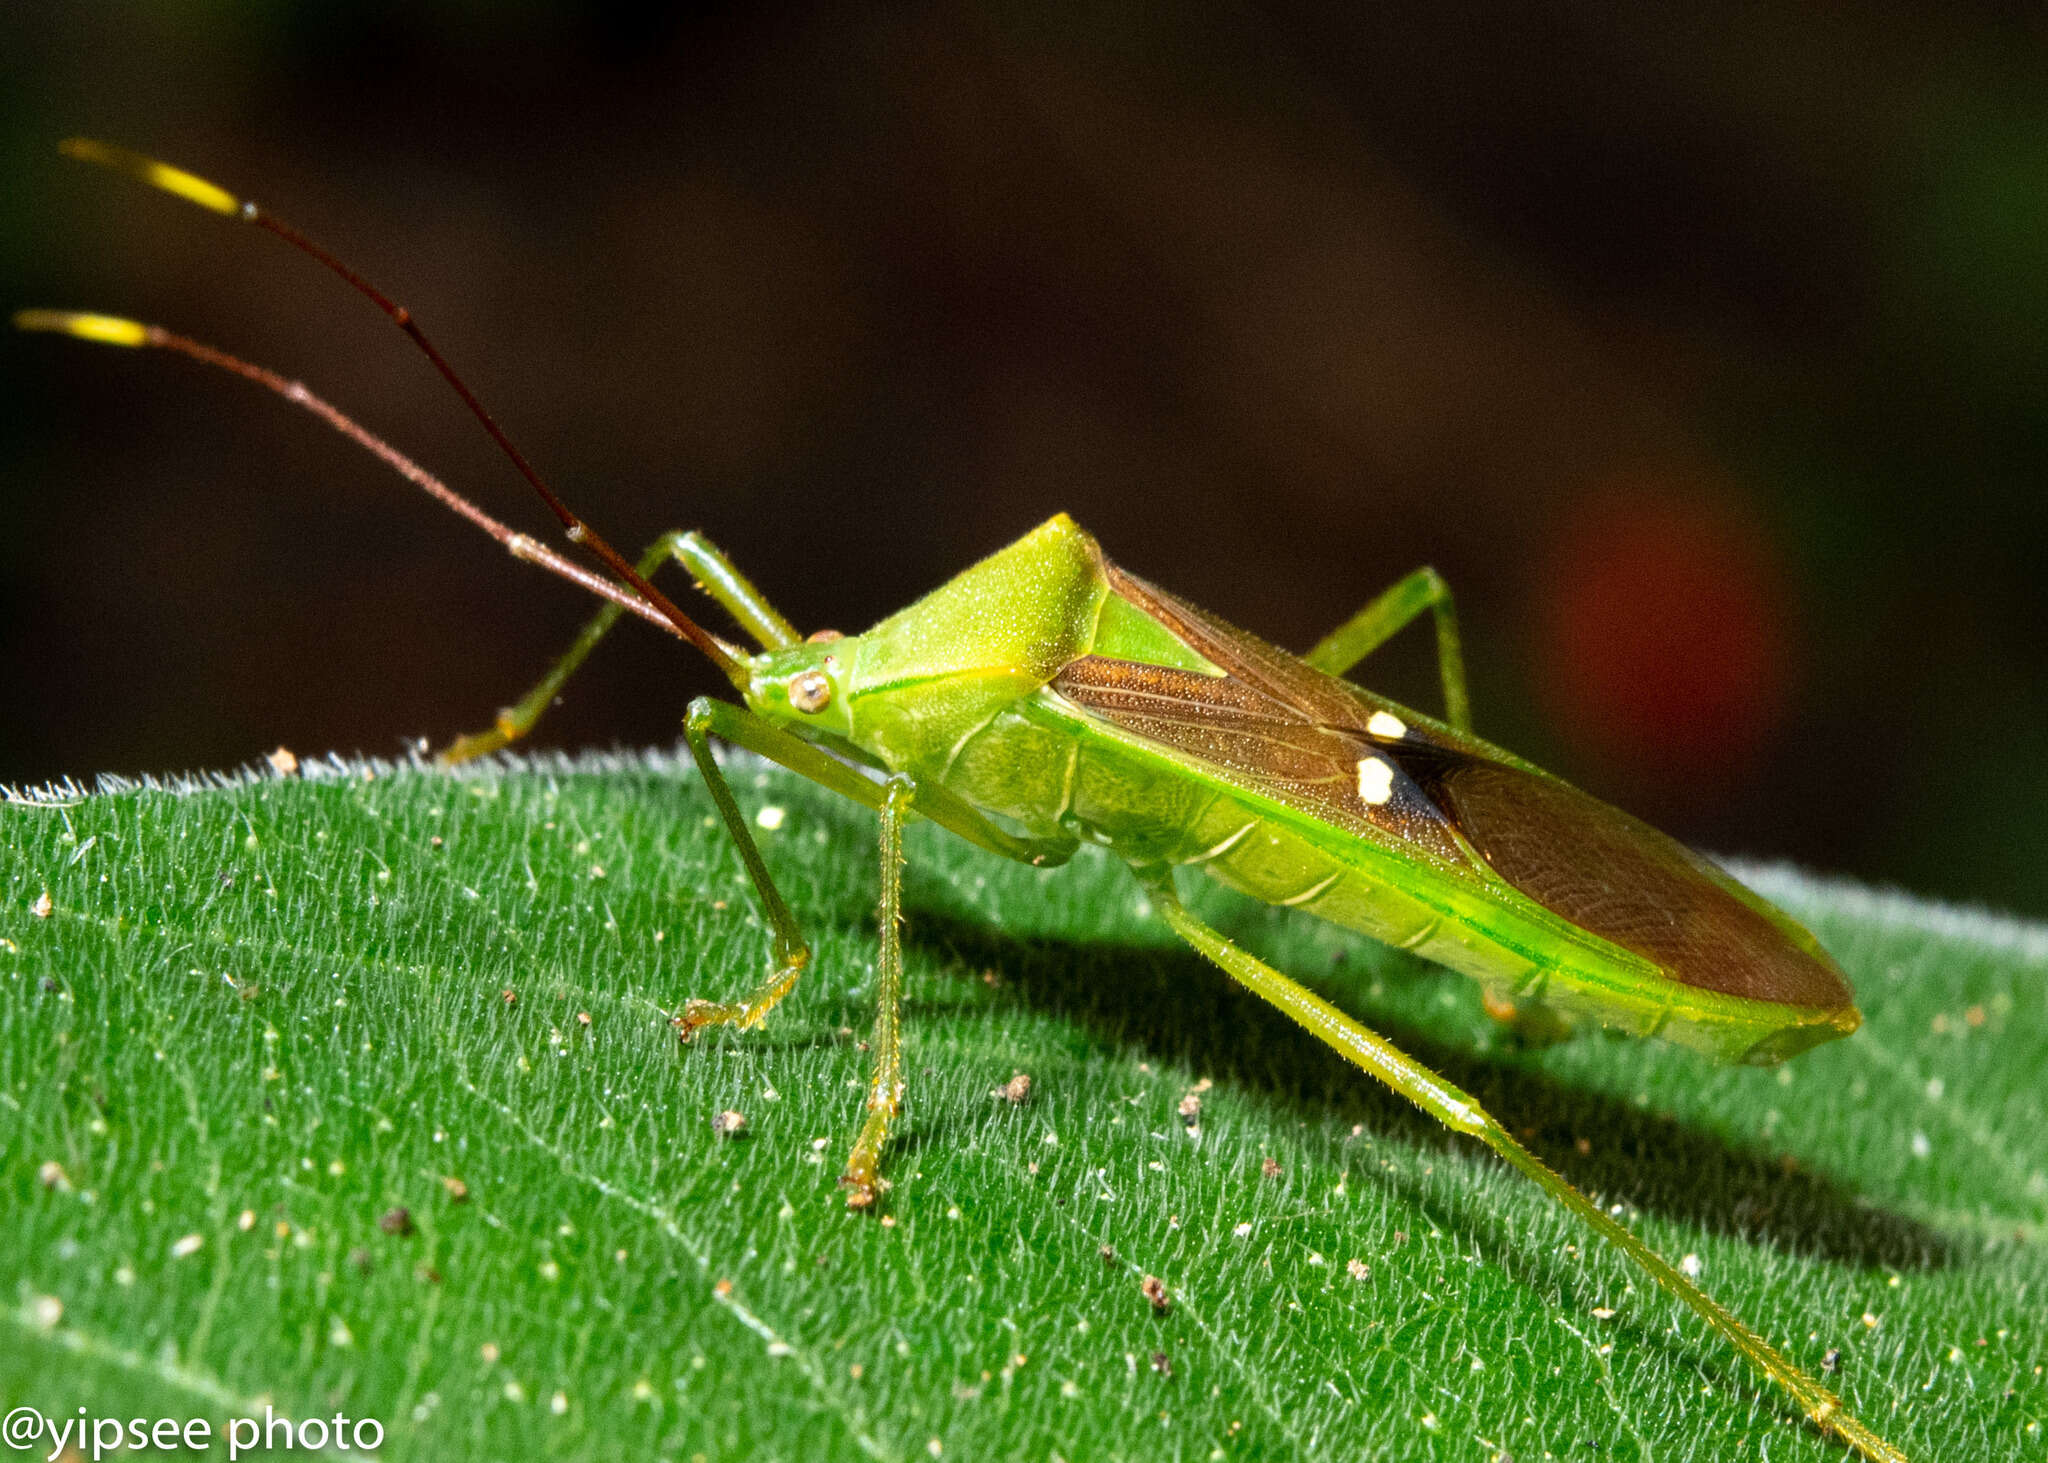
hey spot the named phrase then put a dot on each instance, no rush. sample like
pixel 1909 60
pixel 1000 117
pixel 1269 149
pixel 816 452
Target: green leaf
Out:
pixel 257 1018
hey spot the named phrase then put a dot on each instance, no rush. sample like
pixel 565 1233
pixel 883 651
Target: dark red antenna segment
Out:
pixel 726 657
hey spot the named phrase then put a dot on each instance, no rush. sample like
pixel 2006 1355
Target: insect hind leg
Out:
pixel 1387 615
pixel 712 572
pixel 1455 1109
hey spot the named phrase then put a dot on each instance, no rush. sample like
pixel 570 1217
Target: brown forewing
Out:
pixel 1283 725
pixel 1286 680
pixel 1263 743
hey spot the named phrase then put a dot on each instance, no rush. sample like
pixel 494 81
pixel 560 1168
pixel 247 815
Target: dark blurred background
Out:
pixel 1705 349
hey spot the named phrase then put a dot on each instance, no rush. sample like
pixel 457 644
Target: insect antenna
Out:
pixel 216 199
pixel 114 330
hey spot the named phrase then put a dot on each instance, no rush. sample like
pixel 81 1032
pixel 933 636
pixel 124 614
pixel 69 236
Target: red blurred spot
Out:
pixel 1662 631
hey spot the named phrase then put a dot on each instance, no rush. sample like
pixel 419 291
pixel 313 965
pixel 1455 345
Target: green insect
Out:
pixel 1046 697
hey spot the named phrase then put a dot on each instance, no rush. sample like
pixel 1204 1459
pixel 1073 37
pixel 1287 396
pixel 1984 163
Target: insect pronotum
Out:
pixel 1046 697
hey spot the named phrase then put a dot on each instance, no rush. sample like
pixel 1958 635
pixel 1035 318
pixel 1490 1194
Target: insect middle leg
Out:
pixel 1362 634
pixel 1456 1109
pixel 713 573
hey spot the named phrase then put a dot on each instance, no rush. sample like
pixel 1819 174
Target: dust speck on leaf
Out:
pixel 1154 1290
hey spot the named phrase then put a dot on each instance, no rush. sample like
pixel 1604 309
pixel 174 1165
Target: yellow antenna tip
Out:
pixel 188 186
pixel 106 329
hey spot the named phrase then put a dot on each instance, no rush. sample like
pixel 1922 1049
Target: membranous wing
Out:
pixel 1273 723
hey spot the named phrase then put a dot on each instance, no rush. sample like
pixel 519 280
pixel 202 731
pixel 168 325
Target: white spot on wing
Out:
pixel 1387 726
pixel 1375 780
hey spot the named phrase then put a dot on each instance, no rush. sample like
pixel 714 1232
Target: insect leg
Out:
pixel 892 799
pixel 1456 1110
pixel 708 718
pixel 862 1178
pixel 714 574
pixel 734 592
pixel 1355 639
pixel 788 950
pixel 742 728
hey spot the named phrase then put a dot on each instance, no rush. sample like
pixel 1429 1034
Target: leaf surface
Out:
pixel 260 1019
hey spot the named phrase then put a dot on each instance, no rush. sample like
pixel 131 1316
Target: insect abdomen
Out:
pixel 1050 773
pixel 1118 792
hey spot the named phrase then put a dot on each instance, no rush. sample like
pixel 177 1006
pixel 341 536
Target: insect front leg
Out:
pixel 1362 634
pixel 892 799
pixel 713 573
pixel 742 728
pixel 1456 1109
pixel 789 952
pixel 862 1178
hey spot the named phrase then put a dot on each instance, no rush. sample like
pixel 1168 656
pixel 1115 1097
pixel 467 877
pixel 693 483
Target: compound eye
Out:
pixel 810 691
